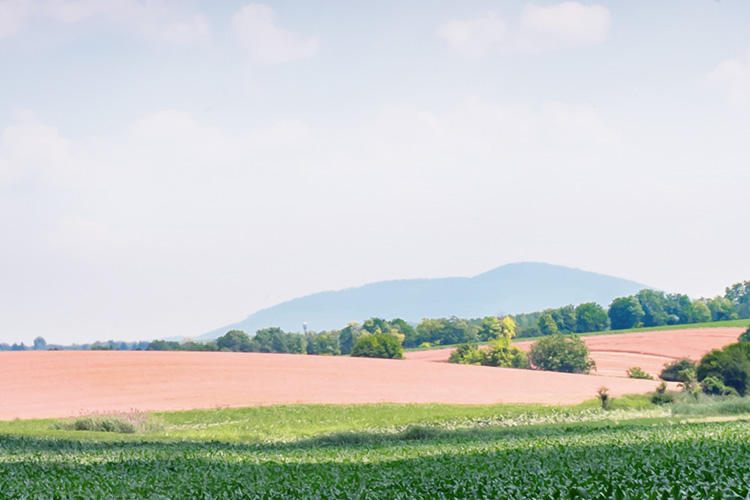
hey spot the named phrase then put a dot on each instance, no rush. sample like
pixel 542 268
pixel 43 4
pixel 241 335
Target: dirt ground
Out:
pixel 39 384
pixel 614 354
pixel 60 384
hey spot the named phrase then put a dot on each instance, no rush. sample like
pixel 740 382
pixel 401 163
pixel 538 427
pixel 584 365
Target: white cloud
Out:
pixel 254 28
pixel 13 14
pixel 562 26
pixel 538 30
pixel 475 37
pixel 733 79
pixel 162 20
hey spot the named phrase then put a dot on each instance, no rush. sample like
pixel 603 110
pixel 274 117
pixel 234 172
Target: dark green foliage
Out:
pixel 347 337
pixel 498 353
pixel 156 345
pixel 661 396
pixel 637 372
pixel 561 354
pixel 590 317
pixel 678 308
pixel 565 318
pixel 445 331
pixel 671 370
pixel 715 387
pixel 653 304
pixel 235 340
pixel 730 365
pixel 323 343
pixel 721 309
pixel 378 345
pixel 625 312
pixel 697 461
pixel 547 325
pixel 604 398
pixel 745 337
pixel 739 296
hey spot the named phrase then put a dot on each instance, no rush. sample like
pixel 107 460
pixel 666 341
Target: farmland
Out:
pixel 383 451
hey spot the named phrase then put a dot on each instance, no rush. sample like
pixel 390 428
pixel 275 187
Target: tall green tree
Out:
pixel 561 354
pixel 625 312
pixel 739 295
pixel 653 303
pixel 590 317
pixel 547 325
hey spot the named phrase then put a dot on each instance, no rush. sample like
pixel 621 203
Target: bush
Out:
pixel 561 354
pixel 378 345
pixel 500 353
pixel 661 396
pixel 122 423
pixel 715 387
pixel 637 372
pixel 604 398
pixel 467 354
pixel 730 365
pixel 745 337
pixel 672 370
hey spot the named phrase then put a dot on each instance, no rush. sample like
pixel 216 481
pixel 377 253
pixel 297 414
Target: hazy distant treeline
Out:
pixel 645 309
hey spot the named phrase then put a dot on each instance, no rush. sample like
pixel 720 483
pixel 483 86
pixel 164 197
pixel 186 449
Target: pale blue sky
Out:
pixel 168 167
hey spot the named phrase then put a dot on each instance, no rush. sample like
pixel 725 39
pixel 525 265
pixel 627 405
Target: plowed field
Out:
pixel 616 353
pixel 41 384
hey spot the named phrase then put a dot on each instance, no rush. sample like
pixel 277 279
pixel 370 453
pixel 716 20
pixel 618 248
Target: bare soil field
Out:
pixel 615 353
pixel 39 384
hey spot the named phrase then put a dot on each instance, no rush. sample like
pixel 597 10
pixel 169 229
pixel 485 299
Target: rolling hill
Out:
pixel 509 289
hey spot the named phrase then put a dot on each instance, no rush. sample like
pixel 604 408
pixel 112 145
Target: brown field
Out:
pixel 616 353
pixel 67 383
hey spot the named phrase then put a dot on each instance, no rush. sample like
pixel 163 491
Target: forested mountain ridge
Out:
pixel 509 289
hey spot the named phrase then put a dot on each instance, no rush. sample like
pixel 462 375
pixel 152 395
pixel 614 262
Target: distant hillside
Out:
pixel 509 289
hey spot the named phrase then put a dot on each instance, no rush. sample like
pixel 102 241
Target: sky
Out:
pixel 169 167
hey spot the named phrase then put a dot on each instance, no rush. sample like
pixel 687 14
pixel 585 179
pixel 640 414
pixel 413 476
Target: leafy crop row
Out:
pixel 706 460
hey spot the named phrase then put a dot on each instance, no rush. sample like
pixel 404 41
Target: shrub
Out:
pixel 500 353
pixel 672 370
pixel 730 365
pixel 661 397
pixel 604 399
pixel 637 372
pixel 378 345
pixel 467 354
pixel 745 337
pixel 122 423
pixel 561 354
pixel 715 387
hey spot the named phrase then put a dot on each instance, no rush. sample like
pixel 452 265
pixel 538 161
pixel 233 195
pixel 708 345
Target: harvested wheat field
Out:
pixel 615 353
pixel 67 383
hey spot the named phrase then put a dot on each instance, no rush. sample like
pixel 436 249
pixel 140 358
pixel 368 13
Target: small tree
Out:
pixel 40 344
pixel 637 372
pixel 604 398
pixel 671 370
pixel 378 345
pixel 561 354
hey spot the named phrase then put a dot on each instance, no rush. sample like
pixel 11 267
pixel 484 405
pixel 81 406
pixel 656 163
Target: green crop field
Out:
pixel 384 451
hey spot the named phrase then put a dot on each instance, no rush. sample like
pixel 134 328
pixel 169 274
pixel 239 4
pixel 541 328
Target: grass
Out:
pixel 738 323
pixel 385 451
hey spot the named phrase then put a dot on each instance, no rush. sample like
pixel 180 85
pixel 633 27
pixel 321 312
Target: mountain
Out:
pixel 510 289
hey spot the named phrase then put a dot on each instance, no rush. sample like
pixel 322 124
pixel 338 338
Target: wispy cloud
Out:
pixel 474 37
pixel 732 78
pixel 162 20
pixel 537 30
pixel 254 28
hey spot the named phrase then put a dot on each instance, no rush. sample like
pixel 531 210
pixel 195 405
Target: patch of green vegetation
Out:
pixel 648 458
pixel 735 323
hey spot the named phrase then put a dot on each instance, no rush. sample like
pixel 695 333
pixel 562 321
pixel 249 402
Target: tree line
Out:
pixel 646 308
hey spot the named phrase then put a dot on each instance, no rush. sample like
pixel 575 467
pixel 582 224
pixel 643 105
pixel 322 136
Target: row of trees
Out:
pixel 646 308
pixel 552 353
